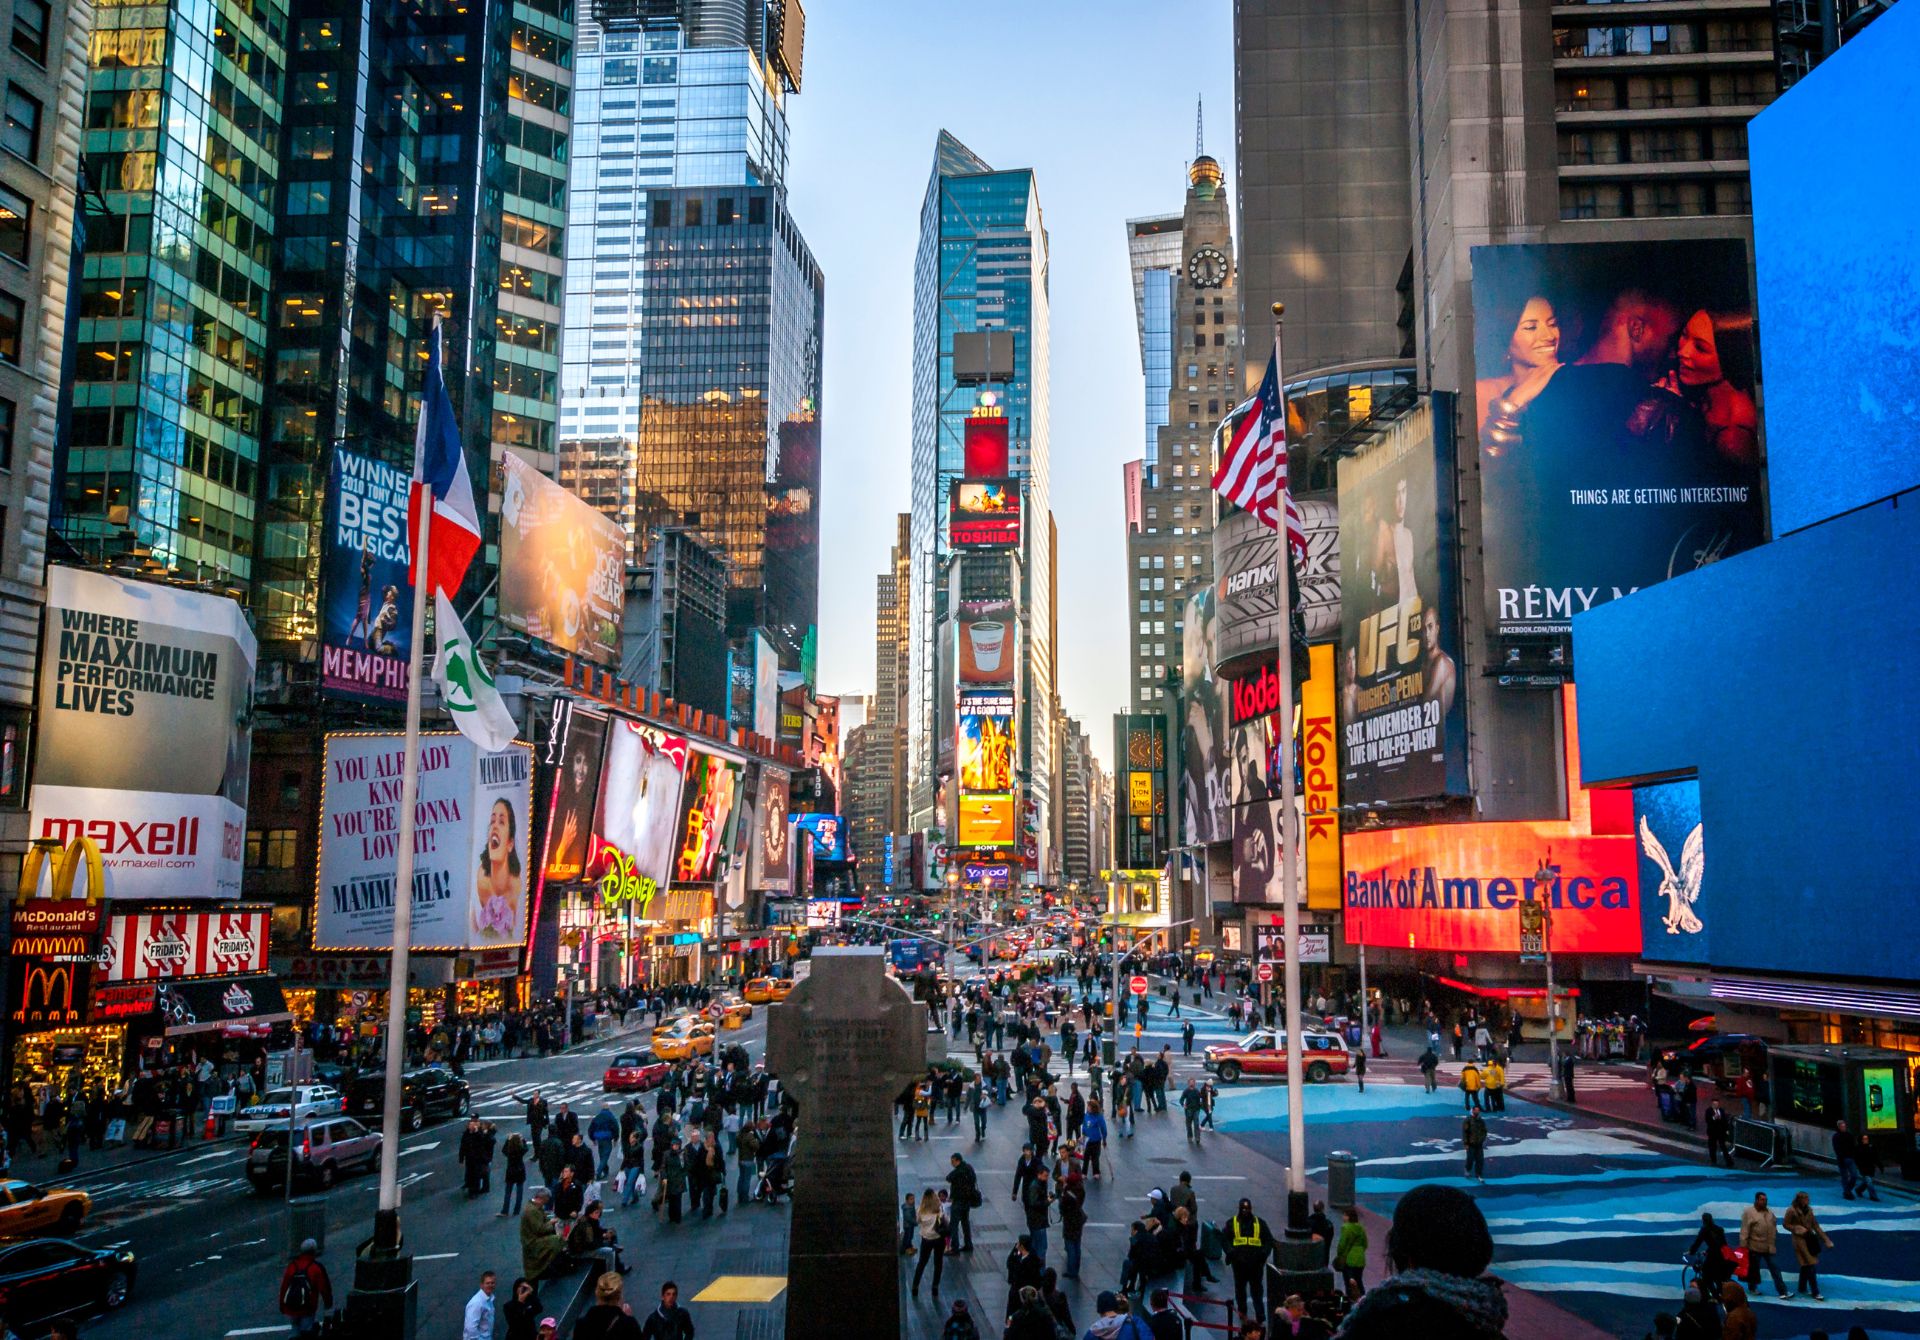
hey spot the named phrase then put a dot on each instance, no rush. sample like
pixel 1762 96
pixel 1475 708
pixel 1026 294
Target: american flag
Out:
pixel 1252 444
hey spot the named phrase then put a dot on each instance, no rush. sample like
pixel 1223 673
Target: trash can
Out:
pixel 1340 1164
pixel 306 1218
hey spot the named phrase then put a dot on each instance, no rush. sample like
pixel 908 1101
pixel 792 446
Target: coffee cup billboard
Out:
pixel 987 650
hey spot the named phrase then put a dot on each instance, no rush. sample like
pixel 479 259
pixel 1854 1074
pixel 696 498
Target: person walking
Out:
pixel 1740 1323
pixel 604 1130
pixel 977 1100
pixel 480 1320
pixel 1036 1199
pixel 536 1120
pixel 933 1227
pixel 669 1321
pixel 1759 1234
pixel 474 1148
pixel 633 1167
pixel 1350 1255
pixel 1249 1242
pixel 1192 1106
pixel 1847 1153
pixel 1473 1135
pixel 1186 1038
pixel 1566 1075
pixel 1470 1084
pixel 1360 1070
pixel 1073 1221
pixel 1719 1134
pixel 515 1178
pixel 963 1188
pixel 305 1289
pixel 1024 1269
pixel 1429 1063
pixel 1093 1137
pixel 1496 1081
pixel 1809 1240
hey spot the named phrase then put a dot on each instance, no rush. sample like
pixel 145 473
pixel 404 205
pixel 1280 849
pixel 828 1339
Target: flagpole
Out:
pixel 1289 834
pixel 386 1223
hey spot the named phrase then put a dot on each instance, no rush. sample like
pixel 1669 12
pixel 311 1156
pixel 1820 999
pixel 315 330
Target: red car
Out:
pixel 634 1072
pixel 1264 1055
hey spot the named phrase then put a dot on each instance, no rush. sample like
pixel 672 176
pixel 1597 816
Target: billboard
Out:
pixel 576 792
pixel 1243 559
pixel 145 731
pixel 986 513
pixel 1671 841
pixel 1402 708
pixel 637 820
pixel 767 861
pixel 1320 782
pixel 708 817
pixel 147 946
pixel 1619 438
pixel 1256 853
pixel 983 446
pixel 1203 729
pixel 563 565
pixel 366 602
pixel 985 821
pixel 1458 887
pixel 986 742
pixel 470 844
pixel 989 645
pixel 827 833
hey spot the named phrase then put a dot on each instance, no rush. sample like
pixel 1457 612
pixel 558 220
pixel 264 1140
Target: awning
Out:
pixel 222 1004
pixel 1145 921
pixel 1495 992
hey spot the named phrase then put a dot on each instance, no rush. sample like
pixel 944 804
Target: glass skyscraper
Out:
pixel 1154 251
pixel 981 265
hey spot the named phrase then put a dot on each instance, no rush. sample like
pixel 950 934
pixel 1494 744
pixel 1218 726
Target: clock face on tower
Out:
pixel 1207 268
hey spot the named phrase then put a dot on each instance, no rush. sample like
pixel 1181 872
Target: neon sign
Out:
pixel 622 883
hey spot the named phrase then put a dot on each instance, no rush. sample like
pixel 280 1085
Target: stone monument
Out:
pixel 845 1042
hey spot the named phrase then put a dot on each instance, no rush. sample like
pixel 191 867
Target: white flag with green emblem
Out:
pixel 466 689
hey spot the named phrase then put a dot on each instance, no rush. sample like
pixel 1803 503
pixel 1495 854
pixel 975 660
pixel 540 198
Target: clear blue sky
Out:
pixel 1096 98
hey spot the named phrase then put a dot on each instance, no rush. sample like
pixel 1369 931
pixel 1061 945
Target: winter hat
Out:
pixel 1440 1228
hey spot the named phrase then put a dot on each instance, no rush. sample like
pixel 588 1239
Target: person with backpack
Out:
pixel 964 1185
pixel 959 1324
pixel 305 1290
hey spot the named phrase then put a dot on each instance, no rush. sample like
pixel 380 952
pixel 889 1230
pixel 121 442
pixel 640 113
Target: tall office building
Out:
pixel 169 371
pixel 667 93
pixel 1170 549
pixel 980 343
pixel 1154 254
pixel 893 597
pixel 40 140
pixel 1082 854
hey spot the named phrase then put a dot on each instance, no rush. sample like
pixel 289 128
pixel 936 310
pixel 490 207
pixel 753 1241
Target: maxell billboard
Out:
pixel 146 706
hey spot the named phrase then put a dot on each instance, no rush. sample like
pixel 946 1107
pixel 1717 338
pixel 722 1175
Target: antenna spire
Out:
pixel 1199 127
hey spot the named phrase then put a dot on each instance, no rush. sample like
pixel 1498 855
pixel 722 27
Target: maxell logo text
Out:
pixel 117 837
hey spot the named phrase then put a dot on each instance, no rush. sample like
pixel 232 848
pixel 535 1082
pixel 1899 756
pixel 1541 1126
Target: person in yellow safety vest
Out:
pixel 1496 1086
pixel 1470 1085
pixel 1249 1242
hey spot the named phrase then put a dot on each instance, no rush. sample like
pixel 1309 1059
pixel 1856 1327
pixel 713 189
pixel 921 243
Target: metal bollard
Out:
pixel 1340 1166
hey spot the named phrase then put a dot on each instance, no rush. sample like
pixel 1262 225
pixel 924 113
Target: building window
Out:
pixel 723 214
pixel 9 413
pixel 693 212
pixel 30 19
pixel 13 317
pixel 20 131
pixel 16 222
pixel 757 210
pixel 662 213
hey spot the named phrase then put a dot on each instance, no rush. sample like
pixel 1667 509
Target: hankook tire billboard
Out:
pixel 1243 556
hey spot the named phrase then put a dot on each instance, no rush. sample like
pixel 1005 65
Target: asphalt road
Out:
pixel 210 1250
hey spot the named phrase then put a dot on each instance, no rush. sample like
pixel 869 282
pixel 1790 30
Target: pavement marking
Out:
pixel 216 1154
pixel 418 1149
pixel 436 1256
pixel 742 1289
pixel 1219 1177
pixel 262 1330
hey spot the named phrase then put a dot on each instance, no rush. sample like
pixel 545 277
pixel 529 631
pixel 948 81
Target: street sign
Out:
pixel 1263 973
pixel 1137 985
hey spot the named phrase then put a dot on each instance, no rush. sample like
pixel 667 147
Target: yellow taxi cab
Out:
pixel 782 988
pixel 672 1021
pixel 26 1208
pixel 759 991
pixel 690 1037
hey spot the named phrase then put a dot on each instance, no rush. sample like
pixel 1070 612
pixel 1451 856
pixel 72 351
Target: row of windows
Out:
pixel 1662 39
pixel 1661 144
pixel 540 45
pixel 1654 200
pixel 1639 92
pixel 107 426
pixel 31 21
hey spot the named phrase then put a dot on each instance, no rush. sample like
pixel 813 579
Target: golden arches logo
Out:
pixel 66 864
pixel 54 1004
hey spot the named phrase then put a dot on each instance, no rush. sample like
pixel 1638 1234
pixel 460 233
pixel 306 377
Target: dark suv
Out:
pixel 430 1091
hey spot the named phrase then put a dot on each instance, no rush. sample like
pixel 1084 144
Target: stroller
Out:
pixel 776 1179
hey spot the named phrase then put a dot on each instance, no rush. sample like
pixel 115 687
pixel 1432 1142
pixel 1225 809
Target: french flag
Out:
pixel 440 465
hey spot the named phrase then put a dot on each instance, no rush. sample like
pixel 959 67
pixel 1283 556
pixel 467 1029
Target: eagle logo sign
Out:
pixel 1681 889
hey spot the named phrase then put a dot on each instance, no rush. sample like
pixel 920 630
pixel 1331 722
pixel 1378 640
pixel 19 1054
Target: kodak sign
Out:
pixel 1320 773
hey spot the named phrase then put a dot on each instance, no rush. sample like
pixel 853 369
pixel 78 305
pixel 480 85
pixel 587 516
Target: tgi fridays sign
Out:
pixel 151 945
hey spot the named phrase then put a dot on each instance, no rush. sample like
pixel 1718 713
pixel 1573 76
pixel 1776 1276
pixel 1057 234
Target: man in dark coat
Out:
pixel 1440 1248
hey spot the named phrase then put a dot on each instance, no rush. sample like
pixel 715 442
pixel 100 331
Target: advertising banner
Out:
pixel 1256 853
pixel 636 825
pixel 989 646
pixel 145 731
pixel 1320 782
pixel 1671 840
pixel 707 816
pixel 986 744
pixel 366 602
pixel 1619 438
pixel 827 833
pixel 767 865
pixel 576 791
pixel 1244 552
pixel 1457 887
pixel 985 821
pixel 985 514
pixel 1203 727
pixel 563 565
pixel 470 859
pixel 1402 710
pixel 984 446
pixel 151 945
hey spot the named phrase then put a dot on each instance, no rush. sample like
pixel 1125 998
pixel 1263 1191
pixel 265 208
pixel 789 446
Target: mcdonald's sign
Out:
pixel 82 853
pixel 51 995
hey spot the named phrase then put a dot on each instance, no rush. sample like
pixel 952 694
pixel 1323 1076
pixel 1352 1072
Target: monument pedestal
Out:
pixel 844 1043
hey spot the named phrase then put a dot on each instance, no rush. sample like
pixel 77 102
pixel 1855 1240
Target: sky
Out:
pixel 1098 99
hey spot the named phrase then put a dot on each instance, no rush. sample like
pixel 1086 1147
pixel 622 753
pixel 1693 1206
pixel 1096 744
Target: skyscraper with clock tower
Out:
pixel 1170 521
